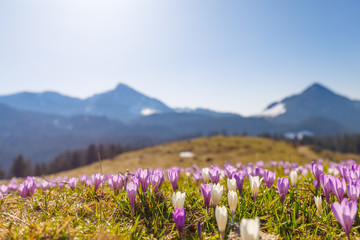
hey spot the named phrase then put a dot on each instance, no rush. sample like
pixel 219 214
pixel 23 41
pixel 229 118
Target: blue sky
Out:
pixel 236 56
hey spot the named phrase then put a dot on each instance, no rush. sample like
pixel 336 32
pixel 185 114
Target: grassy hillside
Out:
pixel 215 150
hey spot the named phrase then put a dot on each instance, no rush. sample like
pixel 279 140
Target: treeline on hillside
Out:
pixel 22 167
pixel 343 143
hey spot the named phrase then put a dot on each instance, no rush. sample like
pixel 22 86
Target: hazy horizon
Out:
pixel 230 57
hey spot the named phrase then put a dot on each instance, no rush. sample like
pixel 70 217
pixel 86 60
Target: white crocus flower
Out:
pixel 216 194
pixel 231 184
pixel 221 219
pixel 205 174
pixel 318 203
pixel 178 200
pixel 222 175
pixel 293 177
pixel 233 200
pixel 255 185
pixel 249 229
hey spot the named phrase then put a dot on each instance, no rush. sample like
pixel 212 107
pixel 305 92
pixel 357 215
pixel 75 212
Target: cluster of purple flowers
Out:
pixel 341 180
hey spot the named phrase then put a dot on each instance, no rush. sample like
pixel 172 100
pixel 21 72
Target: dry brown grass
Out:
pixel 215 150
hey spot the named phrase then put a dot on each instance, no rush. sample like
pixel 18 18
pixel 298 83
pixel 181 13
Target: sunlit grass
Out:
pixel 106 214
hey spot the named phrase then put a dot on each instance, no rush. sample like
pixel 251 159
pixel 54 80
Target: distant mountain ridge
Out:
pixel 122 103
pixel 315 101
pixel 40 125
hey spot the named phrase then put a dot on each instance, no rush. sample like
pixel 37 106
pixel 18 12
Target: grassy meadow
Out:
pixel 58 212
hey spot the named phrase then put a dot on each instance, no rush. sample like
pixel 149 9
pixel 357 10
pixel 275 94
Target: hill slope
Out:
pixel 215 150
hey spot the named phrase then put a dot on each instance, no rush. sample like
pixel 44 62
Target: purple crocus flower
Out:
pixel 259 172
pixel 131 189
pixel 198 176
pixel 353 190
pixel 143 177
pixel 345 172
pixel 325 181
pixel 4 189
pixel 23 190
pixel 30 184
pixel 206 192
pixel 83 179
pixel 269 178
pixel 97 180
pixel 157 179
pixel 179 219
pixel 229 170
pixel 173 175
pixel 116 181
pixel 239 177
pixel 338 187
pixel 317 170
pixel 345 214
pixel 12 185
pixel 45 185
pixel 73 182
pixel 214 174
pixel 283 187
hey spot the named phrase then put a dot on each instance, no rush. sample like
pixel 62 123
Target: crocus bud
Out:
pixel 144 179
pixel 23 191
pixel 221 220
pixel 317 170
pixel 216 194
pixel 283 187
pixel 269 178
pixel 325 185
pixel 83 179
pixel 205 174
pixel 293 177
pixel 214 174
pixel 173 175
pixel 131 189
pixel 345 213
pixel 353 190
pixel 239 177
pixel 179 218
pixel 229 170
pixel 206 193
pixel 116 181
pixel 231 184
pixel 157 179
pixel 318 204
pixel 97 180
pixel 73 182
pixel 338 187
pixel 178 200
pixel 4 189
pixel 255 185
pixel 249 229
pixel 233 200
pixel 30 184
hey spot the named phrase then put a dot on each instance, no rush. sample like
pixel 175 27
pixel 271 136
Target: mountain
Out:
pixel 41 125
pixel 123 103
pixel 46 102
pixel 41 136
pixel 316 101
